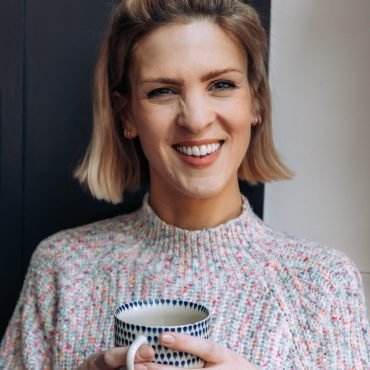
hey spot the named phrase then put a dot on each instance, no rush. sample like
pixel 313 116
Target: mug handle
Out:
pixel 139 341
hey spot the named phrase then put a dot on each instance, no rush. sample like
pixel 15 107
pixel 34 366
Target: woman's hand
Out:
pixel 115 358
pixel 215 356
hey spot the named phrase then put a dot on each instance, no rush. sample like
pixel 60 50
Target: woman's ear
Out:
pixel 256 116
pixel 122 109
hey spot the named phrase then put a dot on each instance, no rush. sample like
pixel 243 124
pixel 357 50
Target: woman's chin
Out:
pixel 204 191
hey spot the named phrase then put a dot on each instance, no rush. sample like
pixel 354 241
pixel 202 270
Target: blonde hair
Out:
pixel 112 163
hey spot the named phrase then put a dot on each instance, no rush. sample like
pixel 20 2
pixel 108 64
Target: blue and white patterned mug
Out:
pixel 142 322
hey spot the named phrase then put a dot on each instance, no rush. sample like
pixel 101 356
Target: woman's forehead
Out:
pixel 177 48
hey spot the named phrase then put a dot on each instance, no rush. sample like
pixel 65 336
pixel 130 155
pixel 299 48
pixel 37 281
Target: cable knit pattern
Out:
pixel 282 302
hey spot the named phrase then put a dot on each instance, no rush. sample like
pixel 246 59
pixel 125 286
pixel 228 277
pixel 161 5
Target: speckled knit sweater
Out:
pixel 282 302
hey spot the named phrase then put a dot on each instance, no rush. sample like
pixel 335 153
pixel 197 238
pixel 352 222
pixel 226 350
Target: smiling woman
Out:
pixel 233 29
pixel 190 89
pixel 183 83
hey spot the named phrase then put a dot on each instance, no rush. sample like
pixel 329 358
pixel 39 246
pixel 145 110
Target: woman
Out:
pixel 181 98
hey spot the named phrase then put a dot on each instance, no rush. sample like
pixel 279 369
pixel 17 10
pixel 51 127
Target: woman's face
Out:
pixel 191 107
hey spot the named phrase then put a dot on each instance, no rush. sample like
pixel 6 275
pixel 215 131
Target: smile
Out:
pixel 198 150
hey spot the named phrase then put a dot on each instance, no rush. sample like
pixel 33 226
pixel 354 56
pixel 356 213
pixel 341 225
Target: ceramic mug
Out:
pixel 142 322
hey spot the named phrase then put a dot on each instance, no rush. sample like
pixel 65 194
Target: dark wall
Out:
pixel 47 54
pixel 11 136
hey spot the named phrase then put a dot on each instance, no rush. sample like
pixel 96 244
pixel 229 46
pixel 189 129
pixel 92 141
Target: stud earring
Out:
pixel 258 121
pixel 127 134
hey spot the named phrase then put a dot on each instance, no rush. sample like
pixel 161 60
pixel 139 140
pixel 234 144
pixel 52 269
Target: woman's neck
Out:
pixel 196 213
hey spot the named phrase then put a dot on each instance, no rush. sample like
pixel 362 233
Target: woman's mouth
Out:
pixel 199 154
pixel 198 151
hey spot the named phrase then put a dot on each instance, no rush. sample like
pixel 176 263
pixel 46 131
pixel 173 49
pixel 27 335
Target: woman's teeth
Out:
pixel 198 151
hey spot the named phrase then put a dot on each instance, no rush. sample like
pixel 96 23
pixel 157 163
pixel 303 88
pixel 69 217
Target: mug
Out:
pixel 142 322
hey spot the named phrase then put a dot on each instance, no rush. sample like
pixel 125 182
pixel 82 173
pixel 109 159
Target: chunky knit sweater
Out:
pixel 281 302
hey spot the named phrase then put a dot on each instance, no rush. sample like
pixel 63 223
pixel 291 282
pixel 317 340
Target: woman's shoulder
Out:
pixel 314 264
pixel 311 278
pixel 87 241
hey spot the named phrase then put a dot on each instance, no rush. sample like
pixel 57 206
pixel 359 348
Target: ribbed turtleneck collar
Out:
pixel 240 230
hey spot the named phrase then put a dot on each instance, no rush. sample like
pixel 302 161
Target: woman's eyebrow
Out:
pixel 178 82
pixel 163 80
pixel 216 73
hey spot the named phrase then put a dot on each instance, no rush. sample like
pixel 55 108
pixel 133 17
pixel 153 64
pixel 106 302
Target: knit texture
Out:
pixel 281 302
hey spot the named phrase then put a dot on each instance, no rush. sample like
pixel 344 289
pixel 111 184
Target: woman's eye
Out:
pixel 163 91
pixel 223 85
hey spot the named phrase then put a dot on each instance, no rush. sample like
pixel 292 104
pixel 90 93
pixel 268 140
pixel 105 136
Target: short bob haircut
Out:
pixel 113 163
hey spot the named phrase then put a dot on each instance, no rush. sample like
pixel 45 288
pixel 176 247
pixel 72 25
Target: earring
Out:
pixel 127 134
pixel 258 121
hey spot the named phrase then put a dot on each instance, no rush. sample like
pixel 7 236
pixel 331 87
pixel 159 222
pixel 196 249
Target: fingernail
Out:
pixel 167 339
pixel 145 352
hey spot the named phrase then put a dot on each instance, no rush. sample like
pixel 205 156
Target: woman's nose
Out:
pixel 196 112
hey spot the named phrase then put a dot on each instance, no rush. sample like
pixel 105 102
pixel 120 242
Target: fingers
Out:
pixel 114 358
pixel 207 350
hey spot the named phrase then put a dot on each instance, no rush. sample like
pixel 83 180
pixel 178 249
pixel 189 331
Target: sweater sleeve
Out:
pixel 28 340
pixel 350 331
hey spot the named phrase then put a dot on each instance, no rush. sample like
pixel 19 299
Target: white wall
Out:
pixel 320 78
